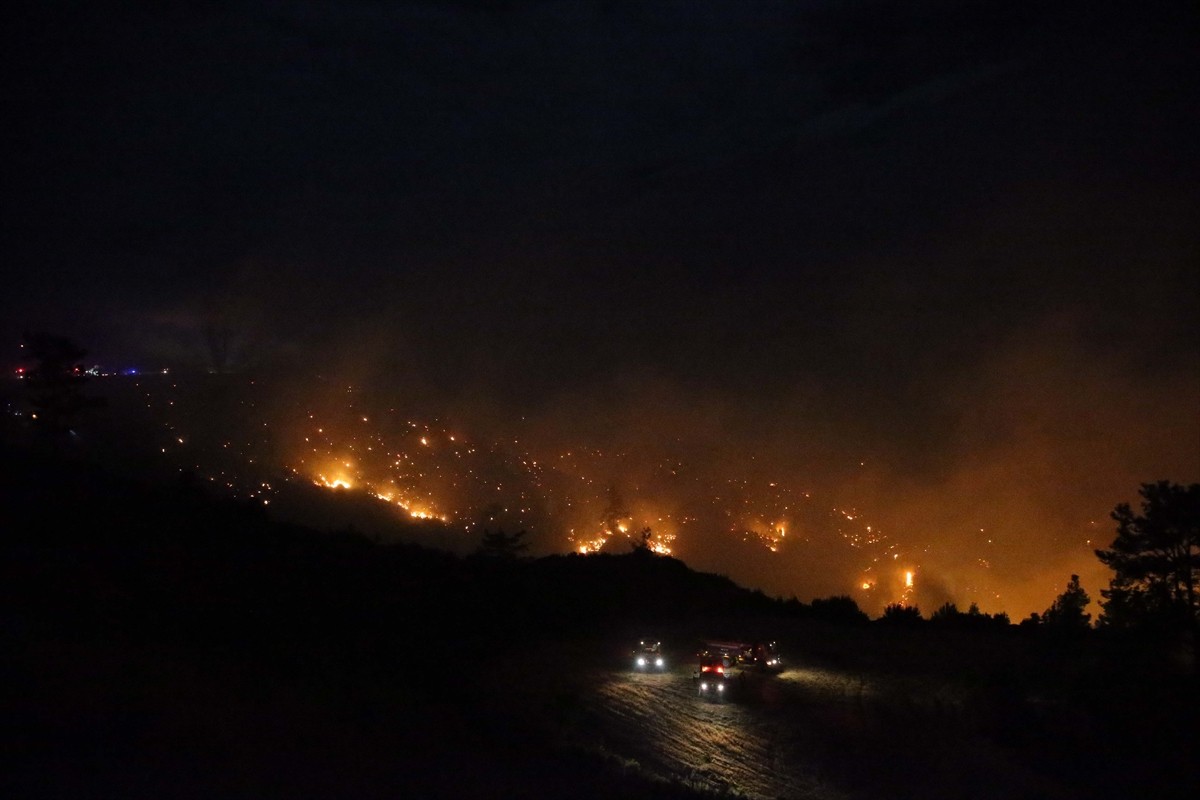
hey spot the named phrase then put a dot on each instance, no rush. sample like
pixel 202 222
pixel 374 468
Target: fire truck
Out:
pixel 713 682
pixel 761 655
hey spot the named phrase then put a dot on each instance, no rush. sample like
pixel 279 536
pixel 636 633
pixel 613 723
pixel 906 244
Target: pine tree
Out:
pixel 501 545
pixel 1067 613
pixel 1156 560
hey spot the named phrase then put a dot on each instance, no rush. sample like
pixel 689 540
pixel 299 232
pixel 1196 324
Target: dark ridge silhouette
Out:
pixel 162 642
pixel 166 643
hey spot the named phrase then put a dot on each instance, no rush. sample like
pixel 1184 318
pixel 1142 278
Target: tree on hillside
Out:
pixel 840 609
pixel 948 615
pixel 642 544
pixel 1156 560
pixel 1067 613
pixel 948 612
pixel 900 614
pixel 501 545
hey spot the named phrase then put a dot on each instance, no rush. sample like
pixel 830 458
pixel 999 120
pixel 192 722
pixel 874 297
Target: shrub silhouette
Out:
pixel 841 609
pixel 901 615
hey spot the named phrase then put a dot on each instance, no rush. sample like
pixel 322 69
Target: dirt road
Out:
pixel 751 744
pixel 810 733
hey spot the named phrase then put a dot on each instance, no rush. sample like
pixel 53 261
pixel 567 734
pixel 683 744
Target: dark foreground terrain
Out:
pixel 159 643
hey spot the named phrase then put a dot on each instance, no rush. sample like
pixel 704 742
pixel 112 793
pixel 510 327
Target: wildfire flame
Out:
pixel 339 482
pixel 438 474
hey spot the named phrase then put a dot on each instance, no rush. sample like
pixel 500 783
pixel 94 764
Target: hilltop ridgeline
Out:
pixel 111 555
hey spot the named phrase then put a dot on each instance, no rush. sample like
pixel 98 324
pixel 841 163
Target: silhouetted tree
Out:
pixel 840 609
pixel 642 543
pixel 947 612
pixel 54 382
pixel 1156 560
pixel 1067 612
pixel 899 614
pixel 973 618
pixel 501 545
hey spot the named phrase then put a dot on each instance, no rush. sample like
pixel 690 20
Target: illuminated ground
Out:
pixel 809 732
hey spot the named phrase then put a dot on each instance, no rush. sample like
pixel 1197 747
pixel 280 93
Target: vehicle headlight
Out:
pixel 641 662
pixel 658 662
pixel 703 686
pixel 720 687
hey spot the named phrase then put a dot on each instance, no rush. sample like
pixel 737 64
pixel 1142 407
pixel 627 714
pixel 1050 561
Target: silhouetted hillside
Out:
pixel 168 642
pixel 227 570
pixel 162 642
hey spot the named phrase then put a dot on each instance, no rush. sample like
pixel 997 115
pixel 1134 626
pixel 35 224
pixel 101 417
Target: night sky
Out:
pixel 936 260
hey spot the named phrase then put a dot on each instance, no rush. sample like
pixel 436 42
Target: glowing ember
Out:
pixel 616 501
